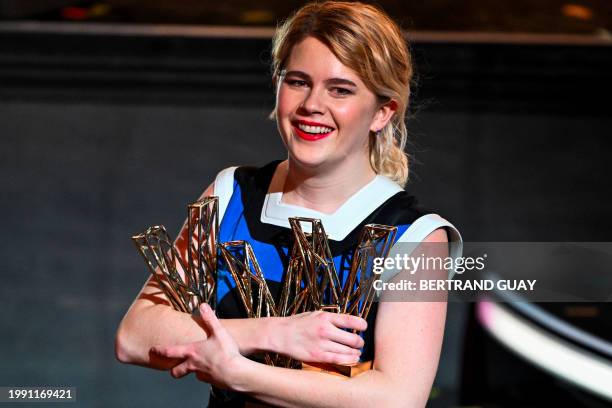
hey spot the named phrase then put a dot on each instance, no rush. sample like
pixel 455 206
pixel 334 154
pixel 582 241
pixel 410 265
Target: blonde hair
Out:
pixel 368 41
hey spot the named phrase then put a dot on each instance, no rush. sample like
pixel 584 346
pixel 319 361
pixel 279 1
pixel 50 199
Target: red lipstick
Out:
pixel 310 136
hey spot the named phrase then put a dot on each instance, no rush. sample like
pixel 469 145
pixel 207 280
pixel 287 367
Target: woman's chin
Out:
pixel 310 160
pixel 309 155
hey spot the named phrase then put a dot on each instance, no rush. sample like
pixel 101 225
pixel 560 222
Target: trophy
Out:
pixel 311 281
pixel 195 256
pixel 164 261
pixel 321 278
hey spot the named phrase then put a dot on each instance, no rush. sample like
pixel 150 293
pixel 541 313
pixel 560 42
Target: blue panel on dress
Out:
pixel 272 260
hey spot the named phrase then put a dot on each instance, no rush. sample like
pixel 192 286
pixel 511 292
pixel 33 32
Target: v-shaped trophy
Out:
pixel 186 272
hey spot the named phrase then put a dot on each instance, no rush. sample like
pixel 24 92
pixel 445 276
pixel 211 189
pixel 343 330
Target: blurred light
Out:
pixel 99 10
pixel 74 13
pixel 257 17
pixel 547 351
pixel 603 33
pixel 577 11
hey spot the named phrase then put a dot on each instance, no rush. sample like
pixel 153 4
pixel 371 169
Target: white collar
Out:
pixel 337 225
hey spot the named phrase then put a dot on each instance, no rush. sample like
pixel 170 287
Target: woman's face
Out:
pixel 323 109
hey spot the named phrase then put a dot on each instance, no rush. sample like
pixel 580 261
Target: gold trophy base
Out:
pixel 339 370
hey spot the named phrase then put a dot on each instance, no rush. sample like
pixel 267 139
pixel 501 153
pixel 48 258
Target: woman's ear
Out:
pixel 383 115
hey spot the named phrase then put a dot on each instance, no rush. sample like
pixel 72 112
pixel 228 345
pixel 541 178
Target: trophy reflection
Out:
pixel 187 273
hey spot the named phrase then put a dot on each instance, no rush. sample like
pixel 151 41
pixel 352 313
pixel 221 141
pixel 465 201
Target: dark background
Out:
pixel 587 17
pixel 105 134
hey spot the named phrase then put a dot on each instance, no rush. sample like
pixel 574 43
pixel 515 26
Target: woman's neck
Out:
pixel 323 189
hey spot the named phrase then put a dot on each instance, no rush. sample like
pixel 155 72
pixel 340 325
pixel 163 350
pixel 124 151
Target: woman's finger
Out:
pixel 208 316
pixel 176 351
pixel 181 370
pixel 211 321
pixel 346 338
pixel 346 321
pixel 344 359
pixel 338 348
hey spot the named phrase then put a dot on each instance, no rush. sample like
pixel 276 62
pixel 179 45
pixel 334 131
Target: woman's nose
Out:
pixel 313 102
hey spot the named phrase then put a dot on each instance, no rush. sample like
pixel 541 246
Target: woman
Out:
pixel 342 73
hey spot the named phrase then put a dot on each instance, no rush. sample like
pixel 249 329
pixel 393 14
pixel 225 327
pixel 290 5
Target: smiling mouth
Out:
pixel 311 132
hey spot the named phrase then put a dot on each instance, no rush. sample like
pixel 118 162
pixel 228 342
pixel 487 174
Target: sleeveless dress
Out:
pixel 248 211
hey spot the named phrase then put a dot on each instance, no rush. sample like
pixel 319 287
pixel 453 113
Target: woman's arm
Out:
pixel 314 336
pixel 402 375
pixel 408 339
pixel 151 320
pixel 311 336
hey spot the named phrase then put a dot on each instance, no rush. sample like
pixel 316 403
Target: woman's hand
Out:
pixel 215 360
pixel 318 337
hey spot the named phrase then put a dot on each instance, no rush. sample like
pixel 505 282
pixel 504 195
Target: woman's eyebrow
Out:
pixel 330 81
pixel 340 81
pixel 297 74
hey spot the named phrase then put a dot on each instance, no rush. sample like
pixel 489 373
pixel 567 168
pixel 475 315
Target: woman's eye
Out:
pixel 296 82
pixel 341 91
